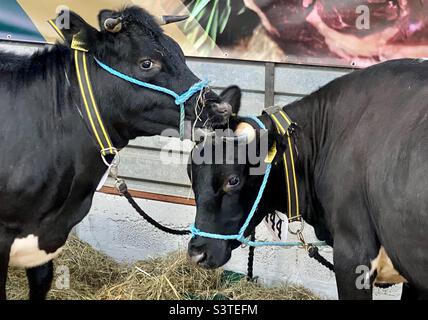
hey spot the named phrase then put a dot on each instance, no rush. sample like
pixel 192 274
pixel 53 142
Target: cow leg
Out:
pixel 40 280
pixel 4 263
pixel 352 262
pixel 348 284
pixel 5 245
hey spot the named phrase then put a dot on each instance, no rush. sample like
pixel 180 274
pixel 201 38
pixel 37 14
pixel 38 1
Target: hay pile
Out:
pixel 96 276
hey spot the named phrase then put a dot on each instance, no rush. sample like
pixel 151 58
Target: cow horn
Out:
pixel 245 130
pixel 244 133
pixel 237 139
pixel 113 25
pixel 164 20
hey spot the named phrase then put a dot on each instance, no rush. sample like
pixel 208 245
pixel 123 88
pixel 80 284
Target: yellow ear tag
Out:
pixel 272 153
pixel 77 44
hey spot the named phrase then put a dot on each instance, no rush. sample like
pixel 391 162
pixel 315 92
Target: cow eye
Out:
pixel 146 64
pixel 233 182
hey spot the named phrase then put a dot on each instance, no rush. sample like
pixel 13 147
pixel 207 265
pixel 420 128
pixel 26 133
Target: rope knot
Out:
pixel 194 231
pixel 179 100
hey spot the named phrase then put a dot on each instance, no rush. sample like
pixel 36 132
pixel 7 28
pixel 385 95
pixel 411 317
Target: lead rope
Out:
pixel 250 265
pixel 179 100
pixel 313 252
pixel 182 119
pixel 123 190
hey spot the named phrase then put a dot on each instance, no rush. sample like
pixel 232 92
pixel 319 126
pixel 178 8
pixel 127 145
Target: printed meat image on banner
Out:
pixel 329 32
pixel 355 33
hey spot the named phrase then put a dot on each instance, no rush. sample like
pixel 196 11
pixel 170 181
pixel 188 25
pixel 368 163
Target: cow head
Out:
pixel 132 42
pixel 225 191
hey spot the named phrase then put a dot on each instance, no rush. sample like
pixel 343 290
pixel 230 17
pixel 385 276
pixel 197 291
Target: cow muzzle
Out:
pixel 209 253
pixel 217 112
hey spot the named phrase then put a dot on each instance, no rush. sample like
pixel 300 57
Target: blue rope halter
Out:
pixel 240 236
pixel 180 100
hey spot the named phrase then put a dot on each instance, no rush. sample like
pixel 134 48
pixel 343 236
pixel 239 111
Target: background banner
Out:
pixel 354 33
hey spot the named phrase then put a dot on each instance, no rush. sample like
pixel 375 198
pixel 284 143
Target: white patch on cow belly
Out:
pixel 25 253
pixel 385 271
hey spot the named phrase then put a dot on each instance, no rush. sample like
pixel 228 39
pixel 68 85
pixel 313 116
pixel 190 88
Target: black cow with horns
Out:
pixel 51 162
pixel 361 171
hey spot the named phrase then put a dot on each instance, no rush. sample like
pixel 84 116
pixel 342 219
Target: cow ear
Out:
pixel 71 24
pixel 232 95
pixel 110 21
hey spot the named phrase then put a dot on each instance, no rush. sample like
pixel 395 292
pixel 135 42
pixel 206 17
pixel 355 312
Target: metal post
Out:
pixel 269 84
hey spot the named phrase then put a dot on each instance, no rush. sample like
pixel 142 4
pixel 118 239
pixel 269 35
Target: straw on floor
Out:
pixel 93 275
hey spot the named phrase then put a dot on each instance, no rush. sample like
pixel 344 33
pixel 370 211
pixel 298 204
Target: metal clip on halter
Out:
pixel 120 184
pixel 302 239
pixel 300 230
pixel 110 151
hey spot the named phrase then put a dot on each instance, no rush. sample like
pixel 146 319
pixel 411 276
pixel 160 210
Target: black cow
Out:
pixel 50 162
pixel 362 171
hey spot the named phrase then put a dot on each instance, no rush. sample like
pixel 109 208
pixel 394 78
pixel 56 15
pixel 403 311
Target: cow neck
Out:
pixel 284 179
pixel 311 116
pixel 91 113
pixel 285 127
pixel 276 193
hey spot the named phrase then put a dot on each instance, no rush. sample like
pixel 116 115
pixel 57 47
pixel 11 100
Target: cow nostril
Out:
pixel 197 258
pixel 224 108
